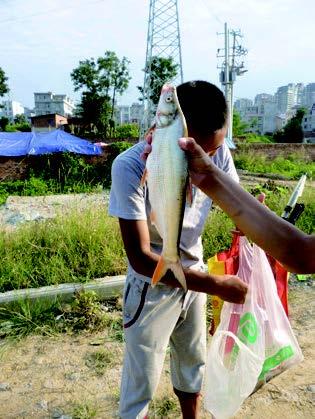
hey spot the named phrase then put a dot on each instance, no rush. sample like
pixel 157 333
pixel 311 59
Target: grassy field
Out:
pixel 87 244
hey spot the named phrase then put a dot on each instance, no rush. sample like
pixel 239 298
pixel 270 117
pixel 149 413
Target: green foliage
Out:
pixel 127 131
pixel 85 313
pixel 23 127
pixel 251 138
pixel 63 173
pixel 4 88
pixel 164 407
pixel 4 121
pixel 239 126
pixel 217 233
pixel 26 317
pixel 84 410
pixel 20 119
pixel 10 128
pixel 101 80
pixel 30 187
pixel 159 70
pixel 44 317
pixel 292 131
pixel 76 248
pixel 20 124
pixel 293 166
pixel 99 361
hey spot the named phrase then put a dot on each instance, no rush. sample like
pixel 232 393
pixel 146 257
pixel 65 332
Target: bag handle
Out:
pixel 217 339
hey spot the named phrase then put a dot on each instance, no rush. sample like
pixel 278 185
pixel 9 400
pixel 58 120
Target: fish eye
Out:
pixel 169 98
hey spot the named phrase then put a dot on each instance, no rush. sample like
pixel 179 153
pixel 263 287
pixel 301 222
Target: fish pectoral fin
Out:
pixel 144 177
pixel 163 266
pixel 189 195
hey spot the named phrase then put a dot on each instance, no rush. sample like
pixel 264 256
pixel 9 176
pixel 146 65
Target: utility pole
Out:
pixel 163 40
pixel 230 68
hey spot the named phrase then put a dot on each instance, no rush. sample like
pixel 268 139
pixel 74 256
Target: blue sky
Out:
pixel 41 41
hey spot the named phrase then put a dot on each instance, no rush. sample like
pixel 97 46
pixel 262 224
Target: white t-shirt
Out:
pixel 129 200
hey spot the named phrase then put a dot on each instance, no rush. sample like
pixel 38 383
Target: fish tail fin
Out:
pixel 163 266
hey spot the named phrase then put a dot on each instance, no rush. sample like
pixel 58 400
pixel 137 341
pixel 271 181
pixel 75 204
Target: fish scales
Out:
pixel 167 174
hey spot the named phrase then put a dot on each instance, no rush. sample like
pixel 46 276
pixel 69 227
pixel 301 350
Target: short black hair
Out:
pixel 204 106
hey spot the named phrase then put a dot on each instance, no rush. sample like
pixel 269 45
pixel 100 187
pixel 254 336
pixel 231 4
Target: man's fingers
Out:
pixel 261 197
pixel 188 144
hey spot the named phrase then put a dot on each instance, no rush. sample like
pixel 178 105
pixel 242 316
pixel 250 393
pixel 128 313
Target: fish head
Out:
pixel 167 107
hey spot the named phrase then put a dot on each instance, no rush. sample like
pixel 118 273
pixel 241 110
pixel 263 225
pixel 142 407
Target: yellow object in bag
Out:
pixel 216 267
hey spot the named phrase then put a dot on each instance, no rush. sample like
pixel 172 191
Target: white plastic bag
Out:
pixel 253 342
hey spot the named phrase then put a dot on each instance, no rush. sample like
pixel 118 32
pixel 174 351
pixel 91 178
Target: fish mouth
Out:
pixel 168 88
pixel 168 114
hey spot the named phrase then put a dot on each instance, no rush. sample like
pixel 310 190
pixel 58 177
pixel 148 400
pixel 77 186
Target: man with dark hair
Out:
pixel 165 315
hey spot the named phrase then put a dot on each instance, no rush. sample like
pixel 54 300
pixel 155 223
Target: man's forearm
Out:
pixel 273 234
pixel 196 280
pixel 228 287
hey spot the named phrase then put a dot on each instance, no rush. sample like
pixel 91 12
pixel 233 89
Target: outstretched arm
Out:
pixel 282 240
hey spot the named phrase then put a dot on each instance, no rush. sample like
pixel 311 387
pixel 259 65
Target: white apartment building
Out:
pixel 253 118
pixel 48 103
pixel 286 97
pixel 308 123
pixel 125 114
pixel 242 103
pixel 136 112
pixel 269 111
pixel 309 95
pixel 11 108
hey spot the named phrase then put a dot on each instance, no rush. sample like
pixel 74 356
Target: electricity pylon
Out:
pixel 163 40
pixel 230 68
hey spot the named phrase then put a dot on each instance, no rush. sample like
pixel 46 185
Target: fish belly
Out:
pixel 167 177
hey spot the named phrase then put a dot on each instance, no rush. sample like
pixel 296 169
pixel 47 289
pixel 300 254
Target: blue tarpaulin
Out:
pixel 33 143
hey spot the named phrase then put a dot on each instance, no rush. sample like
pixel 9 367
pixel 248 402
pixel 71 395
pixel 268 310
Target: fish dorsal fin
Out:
pixel 189 194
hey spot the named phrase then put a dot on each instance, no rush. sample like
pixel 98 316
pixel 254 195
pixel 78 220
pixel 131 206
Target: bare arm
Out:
pixel 286 243
pixel 136 240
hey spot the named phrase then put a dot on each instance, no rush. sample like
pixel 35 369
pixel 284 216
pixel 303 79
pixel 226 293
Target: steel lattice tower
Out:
pixel 163 40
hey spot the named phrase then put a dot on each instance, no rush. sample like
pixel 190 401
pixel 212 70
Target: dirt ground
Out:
pixel 78 376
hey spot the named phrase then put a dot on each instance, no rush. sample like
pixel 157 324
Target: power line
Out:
pixel 47 12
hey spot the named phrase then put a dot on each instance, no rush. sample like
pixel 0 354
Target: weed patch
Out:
pixel 100 360
pixel 84 313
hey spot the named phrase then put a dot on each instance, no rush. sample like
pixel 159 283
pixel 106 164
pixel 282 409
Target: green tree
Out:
pixel 20 119
pixel 100 80
pixel 292 132
pixel 160 70
pixel 239 126
pixel 4 88
pixel 127 131
pixel 4 121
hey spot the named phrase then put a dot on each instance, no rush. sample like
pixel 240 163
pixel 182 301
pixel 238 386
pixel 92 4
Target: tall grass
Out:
pixel 75 248
pixel 87 244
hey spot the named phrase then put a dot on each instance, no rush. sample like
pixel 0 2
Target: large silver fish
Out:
pixel 167 177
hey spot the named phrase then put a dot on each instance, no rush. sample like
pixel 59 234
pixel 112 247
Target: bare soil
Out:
pixel 59 377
